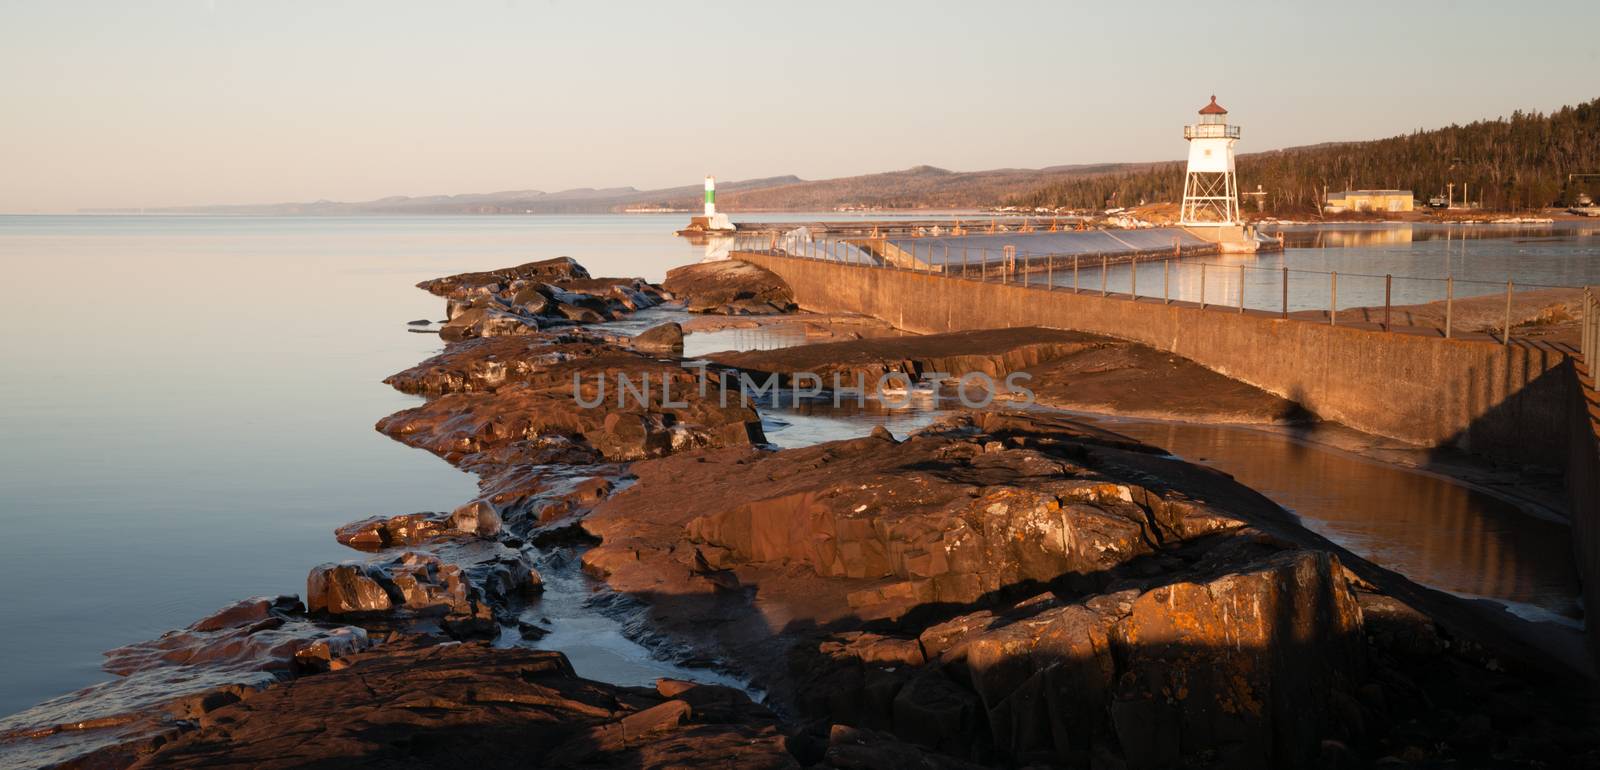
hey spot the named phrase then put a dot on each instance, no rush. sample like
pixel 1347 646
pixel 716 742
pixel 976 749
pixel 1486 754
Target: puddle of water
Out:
pixel 818 420
pixel 593 636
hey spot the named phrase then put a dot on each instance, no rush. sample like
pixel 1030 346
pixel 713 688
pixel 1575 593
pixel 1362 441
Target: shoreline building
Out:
pixel 1369 200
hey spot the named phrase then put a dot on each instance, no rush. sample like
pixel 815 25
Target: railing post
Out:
pixel 1050 272
pixel 1506 338
pixel 1286 293
pixel 1133 279
pixel 1241 289
pixel 1105 262
pixel 1202 286
pixel 1449 304
pixel 1388 285
pixel 1166 281
pixel 1074 273
pixel 1024 269
pixel 983 267
pixel 1333 298
pixel 963 261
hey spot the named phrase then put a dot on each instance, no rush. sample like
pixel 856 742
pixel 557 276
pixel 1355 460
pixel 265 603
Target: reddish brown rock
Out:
pixel 729 287
pixel 666 339
pixel 473 706
pixel 165 685
pixel 466 592
pixel 491 281
pixel 994 352
pixel 575 392
pixel 526 298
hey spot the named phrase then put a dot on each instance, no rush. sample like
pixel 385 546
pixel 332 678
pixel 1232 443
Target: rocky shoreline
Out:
pixel 1004 588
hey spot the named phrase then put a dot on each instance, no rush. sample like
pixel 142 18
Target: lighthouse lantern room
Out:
pixel 1210 187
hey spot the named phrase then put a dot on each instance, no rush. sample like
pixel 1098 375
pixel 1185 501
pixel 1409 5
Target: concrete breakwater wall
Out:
pixel 1507 403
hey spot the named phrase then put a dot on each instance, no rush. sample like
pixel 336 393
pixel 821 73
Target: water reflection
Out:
pixel 1435 531
pixel 1480 258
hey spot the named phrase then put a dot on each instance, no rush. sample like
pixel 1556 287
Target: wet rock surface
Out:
pixel 1015 589
pixel 165 685
pixel 666 339
pixel 1062 369
pixel 627 406
pixel 1002 589
pixel 538 295
pixel 474 706
pixel 729 287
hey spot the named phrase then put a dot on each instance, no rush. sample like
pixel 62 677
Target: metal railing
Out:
pixel 1446 306
pixel 1210 131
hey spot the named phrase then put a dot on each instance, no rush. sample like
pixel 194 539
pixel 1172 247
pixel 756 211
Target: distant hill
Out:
pixel 581 200
pixel 1506 163
pixel 1515 162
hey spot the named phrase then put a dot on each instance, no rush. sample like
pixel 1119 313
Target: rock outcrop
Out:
pixel 1059 368
pixel 729 287
pixel 478 518
pixel 665 339
pixel 467 593
pixel 473 706
pixel 538 295
pixel 492 281
pixel 166 685
pixel 1016 589
pixel 622 404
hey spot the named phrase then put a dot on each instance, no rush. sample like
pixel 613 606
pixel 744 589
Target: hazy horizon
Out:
pixel 192 103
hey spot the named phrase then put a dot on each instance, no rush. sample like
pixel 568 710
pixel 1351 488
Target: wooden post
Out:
pixel 1024 264
pixel 983 267
pixel 1050 272
pixel 1202 286
pixel 1133 279
pixel 1241 289
pixel 1449 303
pixel 1074 273
pixel 1333 298
pixel 1104 263
pixel 1286 293
pixel 963 261
pixel 1506 338
pixel 1388 286
pixel 1166 281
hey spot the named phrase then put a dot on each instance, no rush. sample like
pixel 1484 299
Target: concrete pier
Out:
pixel 1509 403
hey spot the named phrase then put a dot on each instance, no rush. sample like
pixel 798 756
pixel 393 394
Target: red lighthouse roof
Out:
pixel 1213 108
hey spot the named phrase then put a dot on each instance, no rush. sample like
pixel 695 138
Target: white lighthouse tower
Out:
pixel 1210 188
pixel 711 222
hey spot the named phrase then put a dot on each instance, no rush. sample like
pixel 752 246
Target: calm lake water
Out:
pixel 189 401
pixel 1480 259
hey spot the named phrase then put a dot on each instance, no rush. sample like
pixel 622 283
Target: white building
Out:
pixel 1210 187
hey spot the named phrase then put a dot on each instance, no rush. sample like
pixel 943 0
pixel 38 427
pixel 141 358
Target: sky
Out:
pixel 188 102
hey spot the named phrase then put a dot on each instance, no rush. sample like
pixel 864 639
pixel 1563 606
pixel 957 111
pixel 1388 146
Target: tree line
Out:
pixel 1517 162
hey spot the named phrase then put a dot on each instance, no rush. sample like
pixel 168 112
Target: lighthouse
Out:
pixel 1210 188
pixel 711 222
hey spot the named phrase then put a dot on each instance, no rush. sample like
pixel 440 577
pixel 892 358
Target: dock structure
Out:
pixel 1013 253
